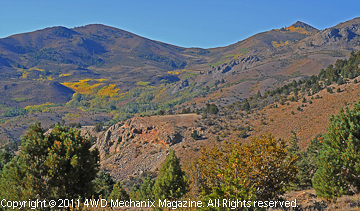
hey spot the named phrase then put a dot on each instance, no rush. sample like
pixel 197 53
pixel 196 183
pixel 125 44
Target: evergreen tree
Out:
pixel 258 94
pixel 294 149
pixel 340 81
pixel 246 105
pixel 307 165
pixel 146 191
pixel 53 166
pixel 15 184
pixel 211 108
pixel 194 135
pixel 171 183
pixel 119 193
pixel 103 184
pixel 306 162
pixel 339 161
pixel 5 157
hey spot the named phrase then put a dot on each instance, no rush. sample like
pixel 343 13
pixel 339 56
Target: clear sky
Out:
pixel 186 23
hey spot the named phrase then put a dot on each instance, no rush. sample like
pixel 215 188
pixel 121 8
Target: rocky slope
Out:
pixel 141 144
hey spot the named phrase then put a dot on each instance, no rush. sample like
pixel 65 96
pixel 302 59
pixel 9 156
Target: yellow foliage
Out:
pixel 298 30
pixel 37 106
pixel 160 94
pixel 101 80
pixel 41 108
pixel 173 73
pixel 263 162
pixel 109 91
pixel 277 44
pixel 81 108
pixel 25 74
pixel 82 86
pixel 64 74
pixel 234 56
pixel 20 99
pixel 34 73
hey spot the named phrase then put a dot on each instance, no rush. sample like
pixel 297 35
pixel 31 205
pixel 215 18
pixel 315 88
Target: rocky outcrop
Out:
pixel 340 35
pixel 181 85
pixel 134 131
pixel 250 60
pixel 141 144
pixel 241 62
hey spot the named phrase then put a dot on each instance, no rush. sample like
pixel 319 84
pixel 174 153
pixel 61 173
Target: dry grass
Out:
pixel 307 200
pixel 313 119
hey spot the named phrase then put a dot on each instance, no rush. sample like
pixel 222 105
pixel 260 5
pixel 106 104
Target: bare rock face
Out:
pixel 141 144
pixel 342 34
pixel 134 131
pixel 181 85
pixel 240 63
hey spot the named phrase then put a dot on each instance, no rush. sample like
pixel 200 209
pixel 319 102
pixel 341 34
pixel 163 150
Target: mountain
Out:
pixel 90 51
pixel 96 50
pixel 99 73
pixel 140 144
pixel 270 82
pixel 274 58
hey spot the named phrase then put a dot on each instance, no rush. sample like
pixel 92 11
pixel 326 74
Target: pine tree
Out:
pixel 53 166
pixel 258 94
pixel 146 191
pixel 246 105
pixel 211 108
pixel 15 184
pixel 194 135
pixel 5 157
pixel 103 184
pixel 339 161
pixel 171 183
pixel 118 193
pixel 307 163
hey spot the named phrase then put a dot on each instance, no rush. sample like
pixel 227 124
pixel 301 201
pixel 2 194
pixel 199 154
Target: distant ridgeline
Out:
pixel 343 70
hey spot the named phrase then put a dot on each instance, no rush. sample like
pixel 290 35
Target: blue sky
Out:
pixel 186 23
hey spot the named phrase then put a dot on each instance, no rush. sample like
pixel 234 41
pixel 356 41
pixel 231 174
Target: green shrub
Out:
pixel 59 165
pixel 339 161
pixel 171 183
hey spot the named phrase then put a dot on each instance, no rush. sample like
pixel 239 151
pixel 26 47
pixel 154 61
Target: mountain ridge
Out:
pixel 106 60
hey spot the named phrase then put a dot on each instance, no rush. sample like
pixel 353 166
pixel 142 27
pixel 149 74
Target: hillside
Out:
pixel 302 107
pixel 98 73
pixel 154 97
pixel 140 144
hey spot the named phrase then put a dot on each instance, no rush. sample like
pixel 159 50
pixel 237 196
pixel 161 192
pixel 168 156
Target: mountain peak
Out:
pixel 301 27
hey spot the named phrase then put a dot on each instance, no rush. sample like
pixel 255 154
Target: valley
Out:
pixel 138 100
